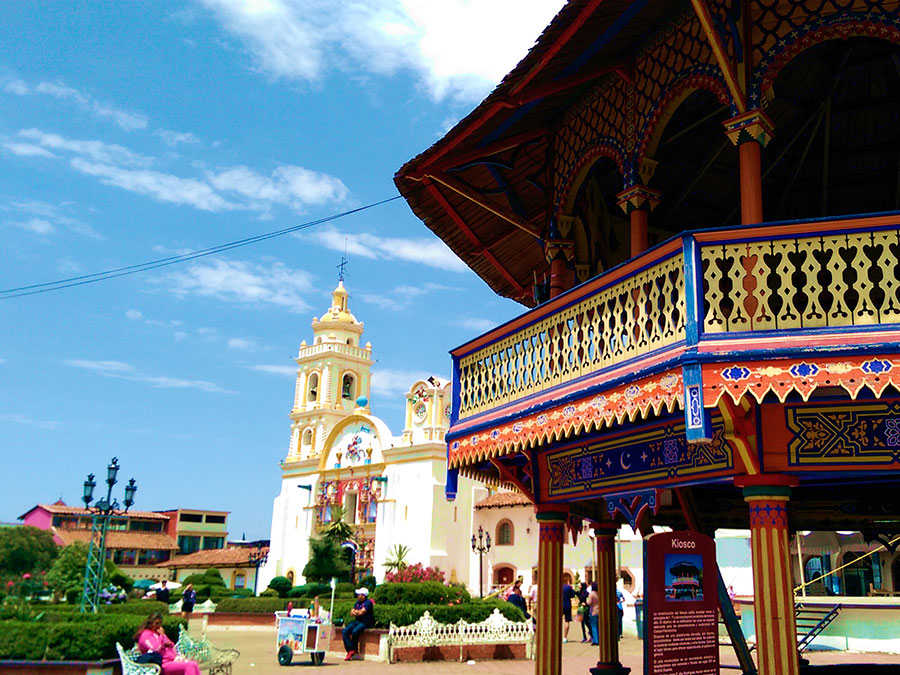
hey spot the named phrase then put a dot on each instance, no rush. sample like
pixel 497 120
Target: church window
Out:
pixel 504 533
pixel 313 390
pixel 350 502
pixel 347 388
pixel 239 580
pixel 290 576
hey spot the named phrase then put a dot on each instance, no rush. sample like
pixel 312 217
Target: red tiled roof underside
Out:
pixel 224 557
pixel 500 500
pixel 153 541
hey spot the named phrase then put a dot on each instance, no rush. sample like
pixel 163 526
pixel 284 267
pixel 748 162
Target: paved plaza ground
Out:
pixel 257 647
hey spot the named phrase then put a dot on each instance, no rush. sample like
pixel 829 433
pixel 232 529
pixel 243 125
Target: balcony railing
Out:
pixel 789 277
pixel 327 347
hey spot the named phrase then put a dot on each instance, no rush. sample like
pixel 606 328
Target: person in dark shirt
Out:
pixel 363 614
pixel 584 612
pixel 568 594
pixel 162 593
pixel 515 597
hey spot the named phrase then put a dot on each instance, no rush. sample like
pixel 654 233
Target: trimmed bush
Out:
pixel 281 585
pixel 474 611
pixel 84 637
pixel 311 590
pixel 424 593
pixel 138 607
pixel 343 587
pixel 268 593
pixel 253 605
pixel 369 582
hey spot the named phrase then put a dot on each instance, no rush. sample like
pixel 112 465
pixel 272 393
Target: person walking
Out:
pixel 593 601
pixel 515 597
pixel 568 594
pixel 162 593
pixel 584 612
pixel 188 599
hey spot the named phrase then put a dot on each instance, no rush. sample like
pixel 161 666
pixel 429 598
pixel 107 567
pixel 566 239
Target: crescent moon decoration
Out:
pixel 625 466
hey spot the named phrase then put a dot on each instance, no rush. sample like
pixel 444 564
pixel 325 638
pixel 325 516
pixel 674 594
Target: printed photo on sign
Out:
pixel 684 576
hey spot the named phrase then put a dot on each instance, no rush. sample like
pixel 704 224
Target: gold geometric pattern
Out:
pixel 803 282
pixel 634 316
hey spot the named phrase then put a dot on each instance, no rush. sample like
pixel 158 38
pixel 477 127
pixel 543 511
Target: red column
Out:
pixel 548 640
pixel 776 627
pixel 608 620
pixel 638 201
pixel 559 275
pixel 750 131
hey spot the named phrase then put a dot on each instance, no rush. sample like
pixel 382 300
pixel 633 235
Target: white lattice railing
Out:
pixel 426 632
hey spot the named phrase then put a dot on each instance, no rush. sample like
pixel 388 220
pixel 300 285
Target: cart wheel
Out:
pixel 285 654
pixel 318 658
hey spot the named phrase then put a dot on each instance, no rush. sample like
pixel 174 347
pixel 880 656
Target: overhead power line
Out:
pixel 48 286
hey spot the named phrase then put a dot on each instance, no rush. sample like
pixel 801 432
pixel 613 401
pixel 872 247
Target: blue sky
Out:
pixel 133 131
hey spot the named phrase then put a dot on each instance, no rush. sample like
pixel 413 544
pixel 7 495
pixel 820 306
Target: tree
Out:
pixel 338 530
pixel 396 561
pixel 281 585
pixel 67 571
pixel 326 560
pixel 26 549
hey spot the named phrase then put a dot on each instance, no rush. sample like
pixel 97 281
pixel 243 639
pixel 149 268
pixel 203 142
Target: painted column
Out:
pixel 750 131
pixel 548 640
pixel 776 627
pixel 638 201
pixel 608 620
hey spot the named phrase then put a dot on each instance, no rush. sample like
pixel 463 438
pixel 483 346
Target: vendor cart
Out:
pixel 301 635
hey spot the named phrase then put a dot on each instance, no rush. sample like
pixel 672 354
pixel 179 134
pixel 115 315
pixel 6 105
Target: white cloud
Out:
pixel 162 186
pixel 27 150
pixel 134 314
pixel 17 87
pixel 478 325
pixel 383 302
pixel 290 371
pixel 389 382
pixel 298 39
pixel 22 419
pixel 240 343
pixel 245 283
pixel 179 335
pixel 173 138
pixel 129 121
pixel 292 186
pixel 126 371
pixel 56 216
pixel 108 153
pixel 36 225
pixel 431 252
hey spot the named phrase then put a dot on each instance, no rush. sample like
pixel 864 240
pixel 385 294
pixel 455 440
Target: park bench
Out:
pixel 132 667
pixel 437 640
pixel 212 659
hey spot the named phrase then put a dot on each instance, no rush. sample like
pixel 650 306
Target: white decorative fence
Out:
pixel 496 629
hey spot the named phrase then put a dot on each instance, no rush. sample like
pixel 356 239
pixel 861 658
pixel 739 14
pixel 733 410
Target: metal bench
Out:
pixel 496 629
pixel 213 659
pixel 130 666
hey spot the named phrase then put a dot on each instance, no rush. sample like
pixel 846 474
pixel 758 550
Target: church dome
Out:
pixel 338 315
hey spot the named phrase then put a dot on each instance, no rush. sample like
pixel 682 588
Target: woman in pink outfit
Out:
pixel 151 637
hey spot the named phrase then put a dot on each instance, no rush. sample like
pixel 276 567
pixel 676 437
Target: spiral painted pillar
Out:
pixel 608 619
pixel 776 627
pixel 548 640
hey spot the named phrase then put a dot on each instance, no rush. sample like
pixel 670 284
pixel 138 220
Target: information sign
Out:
pixel 681 604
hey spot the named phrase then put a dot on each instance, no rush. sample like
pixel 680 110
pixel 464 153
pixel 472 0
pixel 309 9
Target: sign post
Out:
pixel 681 604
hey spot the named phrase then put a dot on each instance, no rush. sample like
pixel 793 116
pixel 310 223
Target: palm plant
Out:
pixel 396 561
pixel 338 530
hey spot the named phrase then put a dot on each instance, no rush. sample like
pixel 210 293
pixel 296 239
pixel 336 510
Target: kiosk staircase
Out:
pixel 811 621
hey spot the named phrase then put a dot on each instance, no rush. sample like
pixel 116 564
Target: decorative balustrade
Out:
pixel 808 281
pixel 632 316
pixel 339 347
pixel 426 632
pixel 802 276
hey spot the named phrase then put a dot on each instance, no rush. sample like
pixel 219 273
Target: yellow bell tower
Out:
pixel 333 378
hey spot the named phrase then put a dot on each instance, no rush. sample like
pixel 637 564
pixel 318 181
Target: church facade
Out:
pixel 391 488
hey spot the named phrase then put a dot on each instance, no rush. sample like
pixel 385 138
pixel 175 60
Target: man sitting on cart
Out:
pixel 363 614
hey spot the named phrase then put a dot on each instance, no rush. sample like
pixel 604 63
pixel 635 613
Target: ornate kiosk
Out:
pixel 698 201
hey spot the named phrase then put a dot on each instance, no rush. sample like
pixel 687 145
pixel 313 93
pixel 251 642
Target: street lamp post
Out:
pixel 257 559
pixel 483 546
pixel 102 511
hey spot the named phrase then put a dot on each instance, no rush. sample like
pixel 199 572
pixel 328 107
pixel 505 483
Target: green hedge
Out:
pixel 84 637
pixel 419 593
pixel 252 605
pixel 311 590
pixel 474 611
